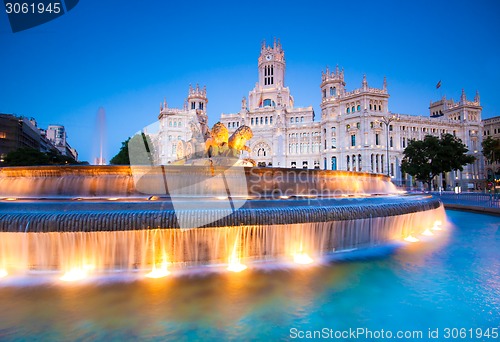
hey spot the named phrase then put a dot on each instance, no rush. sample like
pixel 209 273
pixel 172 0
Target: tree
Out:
pixel 491 149
pixel 121 158
pixel 143 151
pixel 32 157
pixel 425 159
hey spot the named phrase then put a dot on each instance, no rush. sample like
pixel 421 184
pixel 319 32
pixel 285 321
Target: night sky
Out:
pixel 126 56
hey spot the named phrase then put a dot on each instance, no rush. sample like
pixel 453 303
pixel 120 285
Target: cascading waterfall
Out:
pixel 64 219
pixel 134 250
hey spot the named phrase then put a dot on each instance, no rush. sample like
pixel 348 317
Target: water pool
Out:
pixel 452 281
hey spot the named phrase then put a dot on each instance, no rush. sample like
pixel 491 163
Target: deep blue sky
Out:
pixel 127 55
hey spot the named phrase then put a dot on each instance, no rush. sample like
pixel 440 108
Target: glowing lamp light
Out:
pixel 411 238
pixel 3 273
pixel 302 258
pixel 11 199
pixel 160 272
pixel 236 267
pixel 113 199
pixel 427 232
pixel 74 275
pixel 437 225
pixel 221 198
pixel 284 197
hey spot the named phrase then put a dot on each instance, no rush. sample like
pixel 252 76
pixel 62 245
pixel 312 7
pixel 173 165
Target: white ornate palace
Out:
pixel 356 131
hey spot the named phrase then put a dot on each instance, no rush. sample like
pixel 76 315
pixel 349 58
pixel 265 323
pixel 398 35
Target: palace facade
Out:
pixel 355 131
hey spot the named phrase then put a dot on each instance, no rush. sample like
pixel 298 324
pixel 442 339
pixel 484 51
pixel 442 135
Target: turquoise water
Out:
pixel 450 281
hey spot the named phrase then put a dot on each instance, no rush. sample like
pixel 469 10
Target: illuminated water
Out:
pixel 449 281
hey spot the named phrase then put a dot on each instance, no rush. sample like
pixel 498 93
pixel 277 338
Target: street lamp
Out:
pixel 387 121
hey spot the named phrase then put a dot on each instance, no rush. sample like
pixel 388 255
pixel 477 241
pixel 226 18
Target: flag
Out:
pixel 438 85
pixel 260 101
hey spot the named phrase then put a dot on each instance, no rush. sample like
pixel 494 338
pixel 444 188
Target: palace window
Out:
pixel 331 91
pixel 390 142
pixel 353 140
pixel 193 105
pixel 266 120
pixel 377 139
pixel 334 143
pixel 301 119
pixel 334 163
pixel 348 110
pixel 200 105
pixel 358 108
pixel 324 92
pixel 251 121
pixel 352 109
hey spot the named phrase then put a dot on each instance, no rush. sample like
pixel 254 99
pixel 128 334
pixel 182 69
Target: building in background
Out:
pixel 57 136
pixel 21 132
pixel 356 130
pixel 492 129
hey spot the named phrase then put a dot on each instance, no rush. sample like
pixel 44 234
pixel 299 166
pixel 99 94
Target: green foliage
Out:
pixel 121 158
pixel 141 150
pixel 425 159
pixel 32 157
pixel 491 149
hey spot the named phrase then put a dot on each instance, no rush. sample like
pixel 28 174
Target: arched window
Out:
pixel 371 106
pixel 358 108
pixel 352 109
pixel 348 110
pixel 301 119
pixel 266 120
pixel 334 163
pixel 297 119
pixel 180 124
pixel 271 120
pixel 251 121
pixel 261 120
pixel 291 120
pixel 169 123
pixel 331 91
pixel 175 123
pixel 267 103
pixel 359 162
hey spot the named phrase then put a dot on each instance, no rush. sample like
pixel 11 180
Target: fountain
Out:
pixel 153 220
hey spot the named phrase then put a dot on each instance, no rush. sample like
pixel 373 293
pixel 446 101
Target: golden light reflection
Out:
pixel 302 258
pixel 437 225
pixel 427 232
pixel 221 198
pixel 11 199
pixel 3 273
pixel 411 238
pixel 159 272
pixel 113 199
pixel 74 274
pixel 236 266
